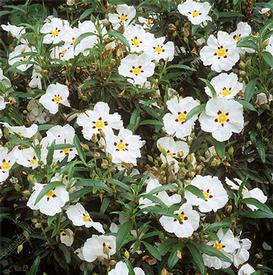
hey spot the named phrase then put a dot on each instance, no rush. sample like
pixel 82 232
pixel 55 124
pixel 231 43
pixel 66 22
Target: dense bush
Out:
pixel 136 137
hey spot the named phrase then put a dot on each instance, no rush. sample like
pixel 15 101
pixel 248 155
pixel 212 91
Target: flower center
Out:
pixel 55 32
pixel 221 52
pixel 218 246
pixel 51 194
pixel 57 99
pixel 170 154
pixel 66 151
pixel 86 218
pixel 222 118
pixel 136 42
pixel 207 195
pixel 181 217
pixel 62 53
pixel 181 117
pixel 32 161
pixel 195 13
pixel 149 21
pixel 237 37
pixel 5 165
pixel 136 70
pixel 225 92
pixel 121 146
pixel 159 49
pixel 74 39
pixel 100 124
pixel 24 59
pixel 123 18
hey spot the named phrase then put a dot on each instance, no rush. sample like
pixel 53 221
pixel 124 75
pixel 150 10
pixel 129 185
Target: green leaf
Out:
pixel 35 266
pixel 123 233
pixel 46 189
pixel 217 225
pixel 49 157
pixel 98 184
pixel 257 142
pixel 85 14
pixel 195 191
pixel 220 147
pixel 258 214
pixel 246 105
pixel 134 120
pixel 196 111
pixel 211 251
pixel 263 207
pixel 213 92
pixel 153 250
pixel 247 42
pixel 173 259
pixel 268 58
pixel 181 66
pixel 120 37
pixel 120 184
pixel 197 257
pixel 151 122
pixel 79 149
pixel 162 188
pixel 250 90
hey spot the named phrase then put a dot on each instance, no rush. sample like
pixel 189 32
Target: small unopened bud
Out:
pixel 126 254
pixel 230 151
pixel 104 164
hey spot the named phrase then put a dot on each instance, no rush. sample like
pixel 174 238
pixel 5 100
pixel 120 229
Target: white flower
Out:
pixel 88 42
pixel 16 56
pixel 255 193
pixel 196 12
pixel 78 252
pixel 99 120
pixel 261 99
pixel 215 196
pixel 67 237
pixel 243 30
pixel 26 157
pixel 120 269
pixel 22 131
pixel 36 79
pixel 269 47
pixel 79 216
pixel 222 117
pixel 99 246
pixel 186 222
pixel 138 38
pixel 221 52
pixel 51 203
pixel 14 30
pixel 242 254
pixel 52 30
pixel 175 123
pixel 125 14
pixel 6 162
pixel 4 79
pixel 225 85
pixel 246 269
pixel 55 94
pixel 264 10
pixel 61 135
pixel 64 53
pixel 157 49
pixel 153 183
pixel 125 147
pixel 2 103
pixel 137 67
pixel 173 150
pixel 147 22
pixel 227 244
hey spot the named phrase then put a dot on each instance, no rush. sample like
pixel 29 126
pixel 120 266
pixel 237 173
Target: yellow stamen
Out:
pixel 222 118
pixel 136 70
pixel 123 18
pixel 159 49
pixel 24 59
pixel 57 99
pixel 218 246
pixel 55 32
pixel 135 41
pixel 237 37
pixel 86 218
pixel 182 117
pixel 225 92
pixel 121 146
pixel 50 194
pixel 5 165
pixel 195 13
pixel 221 52
pixel 99 124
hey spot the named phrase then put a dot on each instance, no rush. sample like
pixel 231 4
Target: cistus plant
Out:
pixel 136 137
